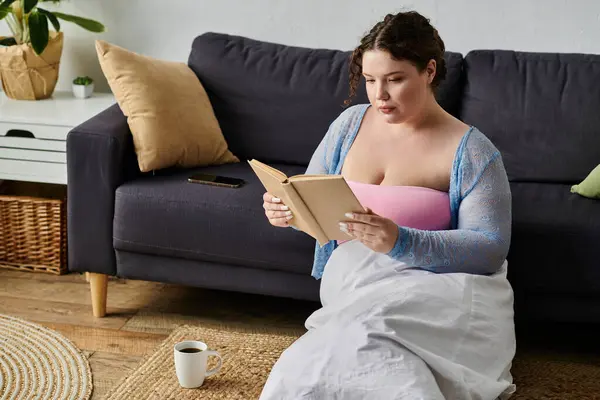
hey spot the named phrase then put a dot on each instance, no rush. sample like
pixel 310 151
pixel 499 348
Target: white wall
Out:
pixel 165 29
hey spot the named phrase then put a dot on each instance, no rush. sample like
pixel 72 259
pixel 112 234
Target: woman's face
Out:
pixel 396 88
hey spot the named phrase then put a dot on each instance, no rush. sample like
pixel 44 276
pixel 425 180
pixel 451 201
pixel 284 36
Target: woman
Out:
pixel 417 304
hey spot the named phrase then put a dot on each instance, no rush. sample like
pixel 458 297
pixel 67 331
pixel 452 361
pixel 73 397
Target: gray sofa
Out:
pixel 274 103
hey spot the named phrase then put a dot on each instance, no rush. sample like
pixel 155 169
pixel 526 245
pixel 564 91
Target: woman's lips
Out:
pixel 387 110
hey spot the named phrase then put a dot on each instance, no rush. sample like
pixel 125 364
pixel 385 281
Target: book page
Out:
pixel 306 177
pixel 303 219
pixel 328 199
pixel 281 177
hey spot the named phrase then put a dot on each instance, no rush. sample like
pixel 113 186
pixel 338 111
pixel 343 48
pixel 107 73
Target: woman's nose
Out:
pixel 381 92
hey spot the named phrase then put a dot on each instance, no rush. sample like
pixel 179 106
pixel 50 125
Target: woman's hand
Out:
pixel 277 212
pixel 376 232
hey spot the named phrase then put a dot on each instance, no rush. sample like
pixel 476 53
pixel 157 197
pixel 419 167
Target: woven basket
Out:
pixel 33 231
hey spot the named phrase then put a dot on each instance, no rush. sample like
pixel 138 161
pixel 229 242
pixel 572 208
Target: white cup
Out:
pixel 191 366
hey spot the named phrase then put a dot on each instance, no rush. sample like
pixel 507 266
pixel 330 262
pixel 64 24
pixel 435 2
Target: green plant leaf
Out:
pixel 83 80
pixel 38 31
pixel 5 8
pixel 52 18
pixel 28 5
pixel 8 41
pixel 3 12
pixel 89 24
pixel 7 3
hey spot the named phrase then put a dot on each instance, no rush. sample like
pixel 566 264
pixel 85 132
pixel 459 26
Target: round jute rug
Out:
pixel 39 363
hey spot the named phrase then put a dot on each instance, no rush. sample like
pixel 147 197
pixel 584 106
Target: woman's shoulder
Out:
pixel 351 115
pixel 347 121
pixel 476 144
pixel 477 152
pixel 354 110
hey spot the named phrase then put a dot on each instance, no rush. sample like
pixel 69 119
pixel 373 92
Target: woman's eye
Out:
pixel 396 80
pixel 370 80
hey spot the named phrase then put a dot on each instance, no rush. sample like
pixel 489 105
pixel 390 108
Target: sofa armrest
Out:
pixel 100 157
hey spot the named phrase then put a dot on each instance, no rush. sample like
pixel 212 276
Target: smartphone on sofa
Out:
pixel 216 180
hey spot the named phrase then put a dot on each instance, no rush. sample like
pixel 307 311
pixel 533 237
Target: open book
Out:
pixel 318 202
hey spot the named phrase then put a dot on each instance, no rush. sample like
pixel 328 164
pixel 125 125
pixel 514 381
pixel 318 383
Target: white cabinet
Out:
pixel 33 134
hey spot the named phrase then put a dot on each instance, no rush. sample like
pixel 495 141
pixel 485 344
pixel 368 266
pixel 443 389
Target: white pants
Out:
pixel 388 331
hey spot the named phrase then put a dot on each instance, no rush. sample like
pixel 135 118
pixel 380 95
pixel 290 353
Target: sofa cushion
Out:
pixel 274 102
pixel 555 240
pixel 590 187
pixel 168 216
pixel 540 110
pixel 167 109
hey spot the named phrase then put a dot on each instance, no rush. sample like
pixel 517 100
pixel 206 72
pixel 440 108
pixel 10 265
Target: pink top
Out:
pixel 408 206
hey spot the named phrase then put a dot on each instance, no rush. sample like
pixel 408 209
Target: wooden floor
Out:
pixel 140 315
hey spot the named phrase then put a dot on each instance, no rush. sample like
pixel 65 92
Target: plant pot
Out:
pixel 28 76
pixel 83 91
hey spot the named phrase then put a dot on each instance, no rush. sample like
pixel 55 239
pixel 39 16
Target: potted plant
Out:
pixel 30 58
pixel 83 87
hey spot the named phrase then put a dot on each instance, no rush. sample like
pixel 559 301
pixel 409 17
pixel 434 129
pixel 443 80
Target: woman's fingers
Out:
pixel 268 197
pixel 366 238
pixel 279 214
pixel 273 203
pixel 280 221
pixel 374 231
pixel 275 207
pixel 366 218
pixel 364 229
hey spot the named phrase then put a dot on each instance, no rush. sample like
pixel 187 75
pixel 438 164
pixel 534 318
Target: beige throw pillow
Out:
pixel 168 111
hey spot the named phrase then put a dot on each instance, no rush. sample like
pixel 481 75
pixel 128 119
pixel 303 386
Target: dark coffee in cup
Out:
pixel 191 350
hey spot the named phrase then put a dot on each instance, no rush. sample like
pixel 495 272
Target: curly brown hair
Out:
pixel 406 36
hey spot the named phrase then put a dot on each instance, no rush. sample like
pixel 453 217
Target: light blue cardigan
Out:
pixel 480 205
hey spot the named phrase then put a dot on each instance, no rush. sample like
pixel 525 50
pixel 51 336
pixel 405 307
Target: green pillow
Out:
pixel 590 187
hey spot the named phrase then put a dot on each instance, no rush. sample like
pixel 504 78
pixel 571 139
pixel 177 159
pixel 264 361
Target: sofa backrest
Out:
pixel 275 102
pixel 449 93
pixel 541 110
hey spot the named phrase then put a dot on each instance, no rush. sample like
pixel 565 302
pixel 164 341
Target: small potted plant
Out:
pixel 83 87
pixel 30 57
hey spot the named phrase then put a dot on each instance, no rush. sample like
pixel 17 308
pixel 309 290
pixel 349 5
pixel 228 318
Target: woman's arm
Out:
pixel 480 243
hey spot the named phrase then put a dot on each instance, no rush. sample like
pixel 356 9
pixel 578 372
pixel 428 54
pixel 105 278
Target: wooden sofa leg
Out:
pixel 98 286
